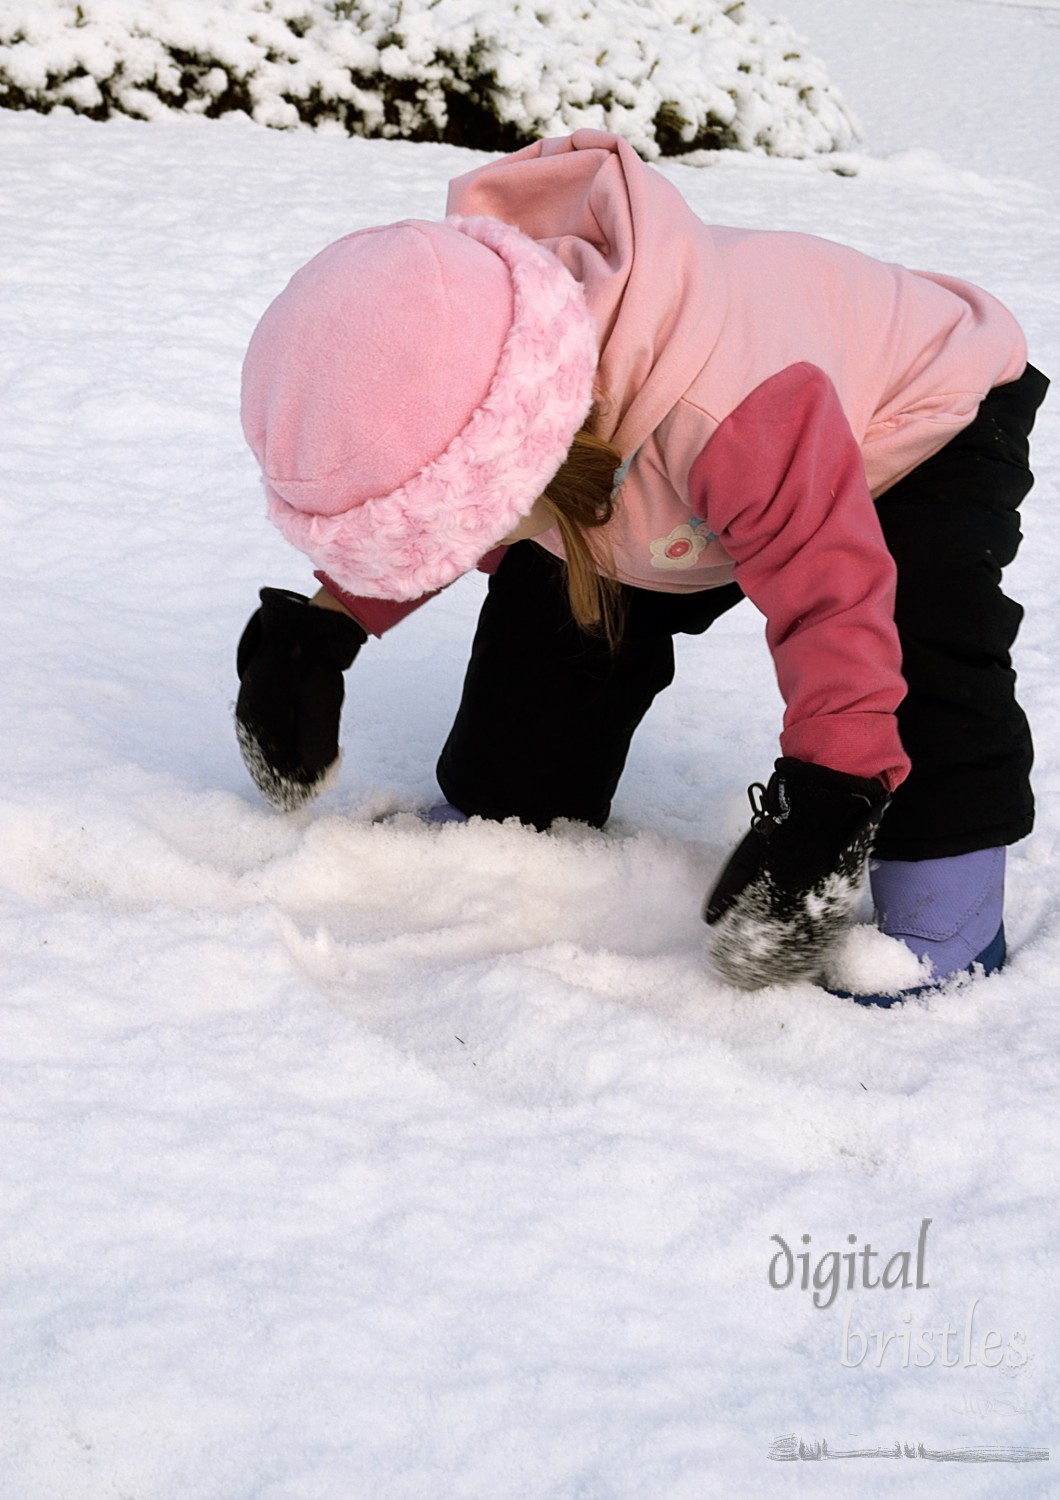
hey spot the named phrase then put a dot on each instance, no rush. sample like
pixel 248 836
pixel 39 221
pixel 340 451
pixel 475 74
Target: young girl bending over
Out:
pixel 632 420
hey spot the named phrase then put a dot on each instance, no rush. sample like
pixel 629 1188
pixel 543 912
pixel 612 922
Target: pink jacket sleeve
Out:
pixel 782 485
pixel 377 616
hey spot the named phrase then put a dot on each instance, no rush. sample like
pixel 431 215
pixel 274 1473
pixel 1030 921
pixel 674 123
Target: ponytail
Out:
pixel 582 500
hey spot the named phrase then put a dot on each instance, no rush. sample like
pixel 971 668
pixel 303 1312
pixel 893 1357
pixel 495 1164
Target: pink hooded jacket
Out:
pixel 762 388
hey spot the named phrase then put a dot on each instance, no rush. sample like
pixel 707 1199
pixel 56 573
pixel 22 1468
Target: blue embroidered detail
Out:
pixel 696 522
pixel 621 472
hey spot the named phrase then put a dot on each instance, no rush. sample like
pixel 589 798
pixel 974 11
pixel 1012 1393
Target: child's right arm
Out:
pixel 377 616
pixel 290 662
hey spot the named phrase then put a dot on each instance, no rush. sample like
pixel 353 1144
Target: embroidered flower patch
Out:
pixel 680 549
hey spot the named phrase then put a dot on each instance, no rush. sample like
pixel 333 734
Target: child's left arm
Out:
pixel 782 484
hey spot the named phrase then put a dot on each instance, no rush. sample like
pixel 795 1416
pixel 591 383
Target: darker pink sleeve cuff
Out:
pixel 377 616
pixel 860 744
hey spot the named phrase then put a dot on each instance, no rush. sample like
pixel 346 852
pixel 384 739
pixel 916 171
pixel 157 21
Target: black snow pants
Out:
pixel 548 710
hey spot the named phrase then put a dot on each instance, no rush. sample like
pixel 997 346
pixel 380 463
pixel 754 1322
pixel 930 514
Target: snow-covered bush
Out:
pixel 672 76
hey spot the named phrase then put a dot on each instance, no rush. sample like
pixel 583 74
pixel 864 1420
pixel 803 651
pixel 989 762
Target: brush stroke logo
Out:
pixel 790 1449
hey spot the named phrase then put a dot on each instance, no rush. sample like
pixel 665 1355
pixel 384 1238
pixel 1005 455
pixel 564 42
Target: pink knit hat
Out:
pixel 410 394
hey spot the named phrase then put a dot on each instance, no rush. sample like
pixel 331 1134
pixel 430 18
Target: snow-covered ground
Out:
pixel 350 1159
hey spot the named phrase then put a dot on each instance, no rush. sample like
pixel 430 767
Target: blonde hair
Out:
pixel 581 497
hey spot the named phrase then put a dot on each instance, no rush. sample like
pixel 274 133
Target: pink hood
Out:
pixel 649 266
pixel 701 315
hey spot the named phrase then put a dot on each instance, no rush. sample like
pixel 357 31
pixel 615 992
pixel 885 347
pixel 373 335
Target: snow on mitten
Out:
pixel 788 889
pixel 290 661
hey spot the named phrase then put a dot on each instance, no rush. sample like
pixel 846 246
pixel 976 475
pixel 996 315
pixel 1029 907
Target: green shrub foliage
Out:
pixel 672 77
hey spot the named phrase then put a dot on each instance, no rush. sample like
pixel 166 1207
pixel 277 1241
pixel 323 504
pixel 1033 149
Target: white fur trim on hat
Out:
pixel 436 525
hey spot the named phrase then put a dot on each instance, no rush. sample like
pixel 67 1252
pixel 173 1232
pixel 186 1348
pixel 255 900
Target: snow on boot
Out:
pixel 947 912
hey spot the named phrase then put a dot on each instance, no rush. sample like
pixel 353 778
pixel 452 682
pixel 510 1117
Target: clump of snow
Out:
pixel 866 961
pixel 672 76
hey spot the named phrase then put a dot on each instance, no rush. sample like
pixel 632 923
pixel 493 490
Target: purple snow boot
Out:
pixel 444 812
pixel 947 911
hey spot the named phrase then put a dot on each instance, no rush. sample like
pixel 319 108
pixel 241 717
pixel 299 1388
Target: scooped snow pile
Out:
pixel 672 76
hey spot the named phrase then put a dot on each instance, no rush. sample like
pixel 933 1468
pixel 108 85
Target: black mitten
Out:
pixel 786 892
pixel 290 661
